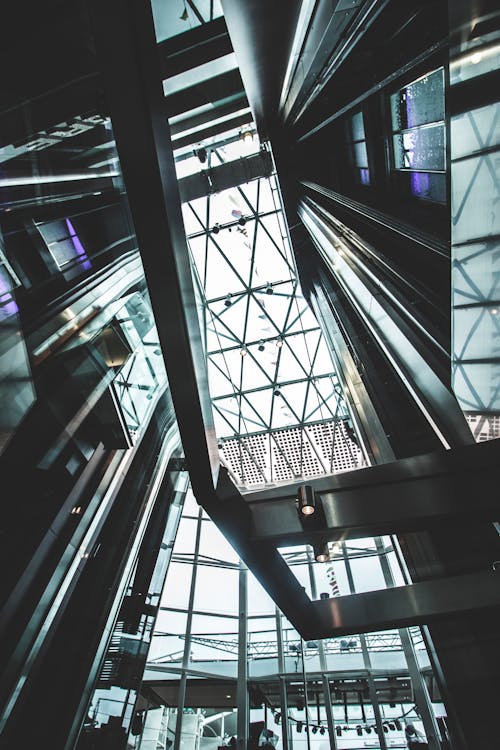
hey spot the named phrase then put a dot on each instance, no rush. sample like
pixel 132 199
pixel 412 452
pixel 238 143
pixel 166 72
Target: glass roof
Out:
pixel 278 408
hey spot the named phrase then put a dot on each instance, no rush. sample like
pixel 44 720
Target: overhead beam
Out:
pixel 401 606
pixel 406 495
pixel 195 47
pixel 220 109
pixel 136 103
pixel 210 132
pixel 225 176
pixel 206 92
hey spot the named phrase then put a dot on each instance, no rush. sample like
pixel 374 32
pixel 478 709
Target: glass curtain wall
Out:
pixel 351 692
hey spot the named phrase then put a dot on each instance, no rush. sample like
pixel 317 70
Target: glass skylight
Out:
pixel 278 407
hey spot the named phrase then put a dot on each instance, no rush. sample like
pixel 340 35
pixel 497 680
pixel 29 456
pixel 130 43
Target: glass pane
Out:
pixel 419 103
pixel 422 148
pixel 357 127
pixel 360 156
pixel 430 186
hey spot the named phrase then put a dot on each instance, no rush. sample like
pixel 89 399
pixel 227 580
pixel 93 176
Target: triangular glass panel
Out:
pixel 221 278
pixel 231 319
pixel 253 375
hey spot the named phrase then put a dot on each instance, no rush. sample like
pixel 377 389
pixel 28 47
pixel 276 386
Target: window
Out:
pixel 418 135
pixel 65 247
pixel 357 147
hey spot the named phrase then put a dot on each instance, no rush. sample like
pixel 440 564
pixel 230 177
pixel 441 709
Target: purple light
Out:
pixel 8 305
pixel 419 183
pixel 364 175
pixel 79 249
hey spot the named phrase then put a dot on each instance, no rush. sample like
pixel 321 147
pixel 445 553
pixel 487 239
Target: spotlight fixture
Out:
pixel 368 730
pixel 385 728
pixel 306 499
pixel 157 352
pixel 243 351
pixel 277 392
pixel 201 153
pixel 397 724
pixel 269 289
pixel 279 342
pixel 324 595
pixel 215 229
pixel 227 301
pixel 277 718
pixel 359 730
pixel 261 346
pixel 321 552
pixel 242 221
pixel 322 730
pixel 391 726
pixel 338 731
pixel 299 726
pixel 315 730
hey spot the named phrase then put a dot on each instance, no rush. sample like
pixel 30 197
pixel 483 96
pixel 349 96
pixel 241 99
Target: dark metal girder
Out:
pixel 220 109
pixel 136 103
pixel 195 47
pixel 406 495
pixel 221 127
pixel 262 34
pixel 206 92
pixel 401 606
pixel 225 176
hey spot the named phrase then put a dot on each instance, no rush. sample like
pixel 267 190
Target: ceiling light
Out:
pixel 277 392
pixel 261 346
pixel 324 595
pixel 299 726
pixel 359 730
pixel 184 15
pixel 314 730
pixel 201 153
pixel 243 351
pixel 321 552
pixel 215 229
pixel 338 731
pixel 336 548
pixel 306 499
pixel 476 58
pixel 242 221
pixel 322 730
pixel 269 289
pixel 279 342
pixel 227 301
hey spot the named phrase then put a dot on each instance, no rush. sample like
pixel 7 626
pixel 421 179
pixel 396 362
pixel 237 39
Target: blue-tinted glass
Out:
pixel 360 156
pixel 419 103
pixel 364 176
pixel 429 186
pixel 421 148
pixel 424 100
pixel 357 127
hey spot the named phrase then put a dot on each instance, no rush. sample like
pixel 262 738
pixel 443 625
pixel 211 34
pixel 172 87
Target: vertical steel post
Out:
pixel 242 683
pixel 181 696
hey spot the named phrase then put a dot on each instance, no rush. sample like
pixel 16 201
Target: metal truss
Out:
pixel 278 407
pixel 376 642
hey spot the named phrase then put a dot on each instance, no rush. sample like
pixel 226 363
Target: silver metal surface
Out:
pixel 405 605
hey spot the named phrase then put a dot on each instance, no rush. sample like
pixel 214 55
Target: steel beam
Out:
pixel 136 104
pixel 404 495
pixel 225 176
pixel 415 604
pixel 195 47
